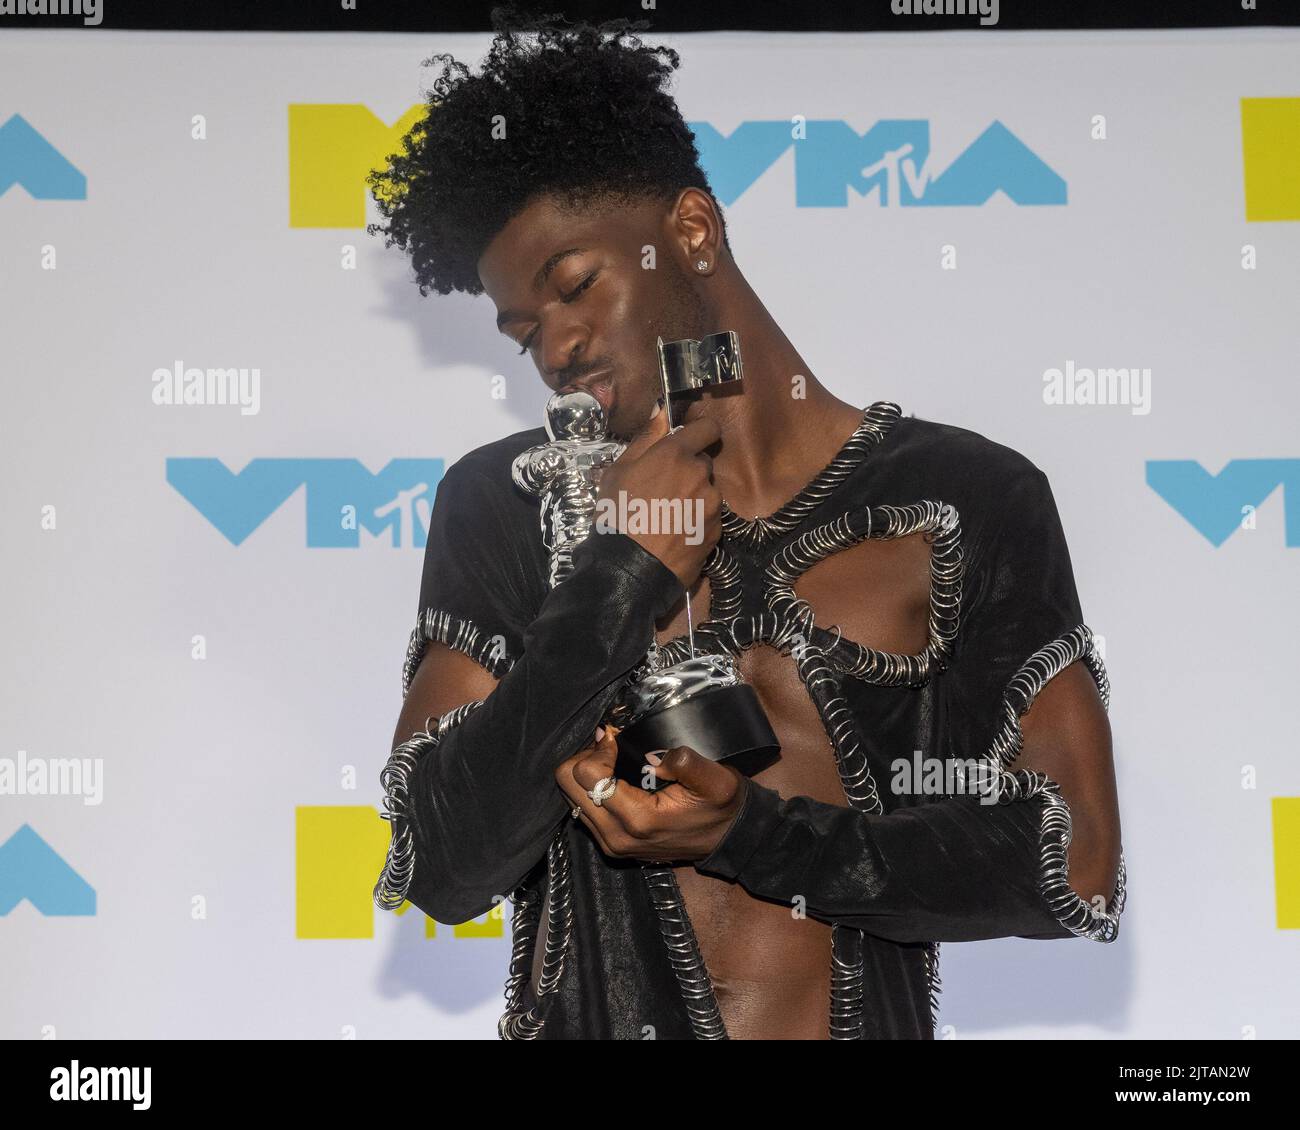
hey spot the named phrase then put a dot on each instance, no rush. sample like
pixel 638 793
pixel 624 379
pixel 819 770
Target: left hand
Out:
pixel 685 821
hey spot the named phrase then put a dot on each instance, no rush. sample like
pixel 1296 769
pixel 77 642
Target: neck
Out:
pixel 782 425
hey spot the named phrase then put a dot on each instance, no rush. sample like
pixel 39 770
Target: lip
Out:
pixel 600 385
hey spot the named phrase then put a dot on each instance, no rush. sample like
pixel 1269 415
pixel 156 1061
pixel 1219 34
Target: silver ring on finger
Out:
pixel 602 791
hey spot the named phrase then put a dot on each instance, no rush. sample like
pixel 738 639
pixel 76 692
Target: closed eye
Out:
pixel 591 278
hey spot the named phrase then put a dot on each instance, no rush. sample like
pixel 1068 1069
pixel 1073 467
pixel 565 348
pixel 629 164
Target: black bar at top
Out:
pixel 667 16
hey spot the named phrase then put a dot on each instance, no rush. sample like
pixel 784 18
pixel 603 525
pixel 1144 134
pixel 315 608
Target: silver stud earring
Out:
pixel 703 264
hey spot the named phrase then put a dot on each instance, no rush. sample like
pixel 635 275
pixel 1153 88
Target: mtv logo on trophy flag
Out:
pixel 26 158
pixel 343 498
pixel 333 147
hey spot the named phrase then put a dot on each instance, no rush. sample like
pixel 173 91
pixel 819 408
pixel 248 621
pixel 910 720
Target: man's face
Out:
pixel 572 286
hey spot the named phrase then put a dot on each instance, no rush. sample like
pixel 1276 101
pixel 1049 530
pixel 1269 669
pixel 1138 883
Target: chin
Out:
pixel 620 431
pixel 627 420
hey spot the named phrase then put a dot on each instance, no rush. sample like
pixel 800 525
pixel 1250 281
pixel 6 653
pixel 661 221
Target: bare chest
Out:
pixel 877 593
pixel 769 963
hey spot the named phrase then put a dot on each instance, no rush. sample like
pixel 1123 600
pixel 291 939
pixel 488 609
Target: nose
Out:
pixel 563 347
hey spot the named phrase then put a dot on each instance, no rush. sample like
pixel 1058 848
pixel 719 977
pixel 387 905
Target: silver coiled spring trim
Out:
pixel 753 532
pixel 824 689
pixel 930 517
pixel 517 1022
pixel 822 657
pixel 932 979
pixel 399 866
pixel 1069 909
pixel 723 572
pixel 848 962
pixel 847 996
pixel 460 635
pixel 684 954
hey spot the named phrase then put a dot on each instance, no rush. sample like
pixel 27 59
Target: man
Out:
pixel 903 605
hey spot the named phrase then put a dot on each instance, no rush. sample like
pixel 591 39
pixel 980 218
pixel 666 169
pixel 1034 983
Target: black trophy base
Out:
pixel 723 724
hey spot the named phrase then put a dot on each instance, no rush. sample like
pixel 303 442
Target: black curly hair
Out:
pixel 586 120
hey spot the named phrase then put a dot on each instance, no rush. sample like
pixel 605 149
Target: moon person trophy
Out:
pixel 700 701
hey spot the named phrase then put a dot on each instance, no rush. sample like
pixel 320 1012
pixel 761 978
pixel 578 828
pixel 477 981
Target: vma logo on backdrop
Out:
pixel 891 159
pixel 332 148
pixel 26 158
pixel 30 869
pixel 1270 140
pixel 339 853
pixel 1219 505
pixel 343 497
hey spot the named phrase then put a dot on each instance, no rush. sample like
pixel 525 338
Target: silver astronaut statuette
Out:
pixel 565 474
pixel 701 701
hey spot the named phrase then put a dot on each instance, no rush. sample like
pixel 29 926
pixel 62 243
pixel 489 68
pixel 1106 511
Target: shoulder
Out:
pixel 980 477
pixel 477 498
pixel 484 558
pixel 478 488
pixel 949 449
pixel 492 461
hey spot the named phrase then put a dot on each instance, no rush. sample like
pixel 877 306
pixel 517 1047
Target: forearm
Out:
pixel 482 800
pixel 949 870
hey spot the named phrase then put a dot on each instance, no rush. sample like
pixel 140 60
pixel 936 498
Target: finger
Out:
pixel 566 774
pixel 596 820
pixel 651 433
pixel 696 435
pixel 595 830
pixel 565 767
pixel 692 771
pixel 564 771
pixel 597 762
pixel 629 803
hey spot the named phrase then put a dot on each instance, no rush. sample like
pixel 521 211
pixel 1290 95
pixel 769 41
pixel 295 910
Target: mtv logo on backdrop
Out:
pixel 332 148
pixel 343 497
pixel 1219 505
pixel 891 158
pixel 26 158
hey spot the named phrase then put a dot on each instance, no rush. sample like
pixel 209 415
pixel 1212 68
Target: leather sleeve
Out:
pixel 949 871
pixel 481 799
pixel 956 868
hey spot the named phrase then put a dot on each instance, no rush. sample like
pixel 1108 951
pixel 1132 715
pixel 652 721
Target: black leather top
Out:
pixel 896 873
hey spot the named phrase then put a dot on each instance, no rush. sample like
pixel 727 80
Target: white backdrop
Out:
pixel 182 904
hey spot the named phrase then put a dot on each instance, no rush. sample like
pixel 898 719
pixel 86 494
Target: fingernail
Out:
pixel 600 734
pixel 653 758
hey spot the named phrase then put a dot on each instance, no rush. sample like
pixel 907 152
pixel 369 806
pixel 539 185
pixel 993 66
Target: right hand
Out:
pixel 659 464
